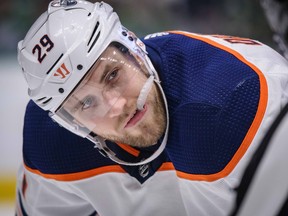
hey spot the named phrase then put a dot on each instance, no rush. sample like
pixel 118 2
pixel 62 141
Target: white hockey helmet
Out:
pixel 60 48
pixel 63 44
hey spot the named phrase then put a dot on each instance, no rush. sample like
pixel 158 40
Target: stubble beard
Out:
pixel 151 129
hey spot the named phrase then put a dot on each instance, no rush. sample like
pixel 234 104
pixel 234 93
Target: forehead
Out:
pixel 111 56
pixel 111 51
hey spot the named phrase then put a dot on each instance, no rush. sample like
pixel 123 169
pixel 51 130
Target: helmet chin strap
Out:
pixel 104 149
pixel 144 93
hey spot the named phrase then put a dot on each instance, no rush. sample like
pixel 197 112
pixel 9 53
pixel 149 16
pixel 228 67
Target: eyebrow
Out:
pixel 74 106
pixel 106 70
pixel 102 73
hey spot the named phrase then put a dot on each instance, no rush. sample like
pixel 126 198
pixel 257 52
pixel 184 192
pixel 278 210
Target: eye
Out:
pixel 112 75
pixel 87 103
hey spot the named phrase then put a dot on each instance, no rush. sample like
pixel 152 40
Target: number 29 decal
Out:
pixel 45 42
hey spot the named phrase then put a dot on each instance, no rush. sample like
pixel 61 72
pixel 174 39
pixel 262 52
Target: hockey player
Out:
pixel 177 115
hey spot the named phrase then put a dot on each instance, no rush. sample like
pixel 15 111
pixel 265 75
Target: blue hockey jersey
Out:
pixel 222 93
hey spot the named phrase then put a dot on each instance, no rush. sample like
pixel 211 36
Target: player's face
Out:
pixel 125 124
pixel 106 101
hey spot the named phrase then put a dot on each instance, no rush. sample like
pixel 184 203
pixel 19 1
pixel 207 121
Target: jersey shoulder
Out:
pixel 215 91
pixel 49 148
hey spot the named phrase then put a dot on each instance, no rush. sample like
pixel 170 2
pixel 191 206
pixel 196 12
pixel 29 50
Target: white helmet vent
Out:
pixel 93 38
pixel 43 101
pixel 54 64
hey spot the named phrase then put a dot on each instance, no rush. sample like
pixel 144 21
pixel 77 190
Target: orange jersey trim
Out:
pixel 166 166
pixel 78 175
pixel 254 126
pixel 129 149
pixel 90 173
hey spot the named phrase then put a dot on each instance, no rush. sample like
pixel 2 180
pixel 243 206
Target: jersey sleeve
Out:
pixel 226 92
pixel 39 196
pixel 266 174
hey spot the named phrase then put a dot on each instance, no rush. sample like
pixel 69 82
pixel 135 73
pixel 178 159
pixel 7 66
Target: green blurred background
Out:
pixel 234 17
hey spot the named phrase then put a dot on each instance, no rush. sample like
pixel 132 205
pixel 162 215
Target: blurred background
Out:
pixel 243 18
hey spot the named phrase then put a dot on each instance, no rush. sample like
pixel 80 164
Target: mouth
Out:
pixel 136 117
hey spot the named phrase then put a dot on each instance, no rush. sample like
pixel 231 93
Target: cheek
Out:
pixel 153 97
pixel 98 125
pixel 136 84
pixel 132 90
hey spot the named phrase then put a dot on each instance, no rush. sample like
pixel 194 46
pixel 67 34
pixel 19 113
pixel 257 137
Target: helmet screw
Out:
pixel 61 90
pixel 79 67
pixel 130 38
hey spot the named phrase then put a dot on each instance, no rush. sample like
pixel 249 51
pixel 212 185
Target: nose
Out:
pixel 117 107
